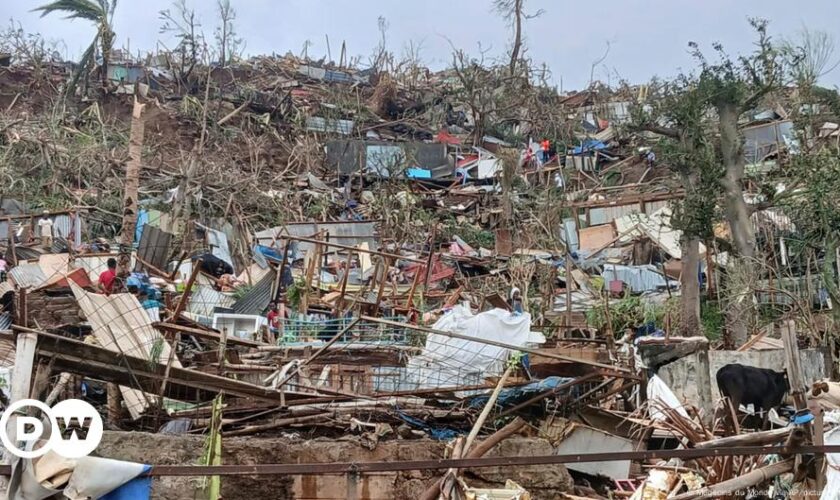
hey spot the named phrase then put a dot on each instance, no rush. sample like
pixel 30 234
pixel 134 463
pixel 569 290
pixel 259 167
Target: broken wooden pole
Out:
pixel 793 364
pixel 752 439
pixel 480 450
pixel 114 403
pixel 132 185
pixel 730 486
pixel 344 278
pixel 24 360
pixel 276 424
pixel 182 302
pixel 318 352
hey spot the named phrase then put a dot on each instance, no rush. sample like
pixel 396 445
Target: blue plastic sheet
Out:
pixel 419 173
pixel 139 488
pixel 514 395
pixel 441 434
pixel 588 146
pixel 142 220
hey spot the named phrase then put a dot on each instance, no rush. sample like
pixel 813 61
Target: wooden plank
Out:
pixel 92 361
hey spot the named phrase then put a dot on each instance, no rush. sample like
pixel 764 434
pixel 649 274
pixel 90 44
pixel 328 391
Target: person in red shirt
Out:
pixel 108 277
pixel 273 317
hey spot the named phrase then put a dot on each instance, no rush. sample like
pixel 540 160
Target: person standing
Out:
pixel 45 230
pixel 546 150
pixel 108 277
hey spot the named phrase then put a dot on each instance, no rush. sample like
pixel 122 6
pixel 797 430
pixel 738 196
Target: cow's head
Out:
pixel 782 380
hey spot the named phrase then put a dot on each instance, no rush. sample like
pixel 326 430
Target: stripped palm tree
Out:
pixel 99 12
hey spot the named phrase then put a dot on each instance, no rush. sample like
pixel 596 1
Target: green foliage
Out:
pixel 241 291
pixel 813 205
pixel 712 319
pixel 294 293
pixel 156 351
pixel 628 312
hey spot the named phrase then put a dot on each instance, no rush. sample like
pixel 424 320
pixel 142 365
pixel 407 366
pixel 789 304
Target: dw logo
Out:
pixel 75 429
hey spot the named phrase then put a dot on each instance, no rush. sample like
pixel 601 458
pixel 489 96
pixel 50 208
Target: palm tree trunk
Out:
pixel 132 185
pixel 107 40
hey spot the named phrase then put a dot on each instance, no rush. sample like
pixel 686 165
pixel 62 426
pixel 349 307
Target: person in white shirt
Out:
pixel 45 226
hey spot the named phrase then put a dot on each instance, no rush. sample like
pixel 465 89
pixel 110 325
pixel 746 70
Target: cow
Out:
pixel 213 265
pixel 743 385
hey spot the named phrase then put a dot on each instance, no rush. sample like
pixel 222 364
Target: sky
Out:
pixel 646 38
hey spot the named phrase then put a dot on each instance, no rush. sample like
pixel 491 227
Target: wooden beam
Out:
pixel 77 357
pixel 182 302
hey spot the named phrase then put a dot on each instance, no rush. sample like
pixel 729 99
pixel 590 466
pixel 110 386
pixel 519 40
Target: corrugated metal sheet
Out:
pixel 27 275
pixel 68 227
pixel 606 215
pixel 384 160
pixel 26 253
pixel 154 247
pixel 7 354
pixel 331 125
pixel 5 324
pixel 638 278
pixel 218 243
pixel 205 298
pixel 344 233
pixel 257 298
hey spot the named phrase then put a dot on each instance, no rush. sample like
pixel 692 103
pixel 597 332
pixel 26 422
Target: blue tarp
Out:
pixel 139 488
pixel 441 434
pixel 514 395
pixel 142 220
pixel 588 146
pixel 418 173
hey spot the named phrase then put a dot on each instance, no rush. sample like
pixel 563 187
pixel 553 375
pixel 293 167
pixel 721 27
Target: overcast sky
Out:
pixel 647 37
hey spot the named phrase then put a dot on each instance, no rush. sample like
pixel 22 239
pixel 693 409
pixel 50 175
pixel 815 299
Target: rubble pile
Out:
pixel 323 251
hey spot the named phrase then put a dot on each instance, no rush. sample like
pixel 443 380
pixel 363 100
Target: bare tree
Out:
pixel 514 12
pixel 186 28
pixel 811 55
pixel 228 43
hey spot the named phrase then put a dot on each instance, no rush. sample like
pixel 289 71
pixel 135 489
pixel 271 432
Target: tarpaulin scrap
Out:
pixel 513 395
pixel 441 434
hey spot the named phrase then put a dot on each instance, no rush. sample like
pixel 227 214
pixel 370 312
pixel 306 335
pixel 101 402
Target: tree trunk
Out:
pixel 738 216
pixel 517 36
pixel 107 40
pixel 690 288
pixel 737 212
pixel 132 184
